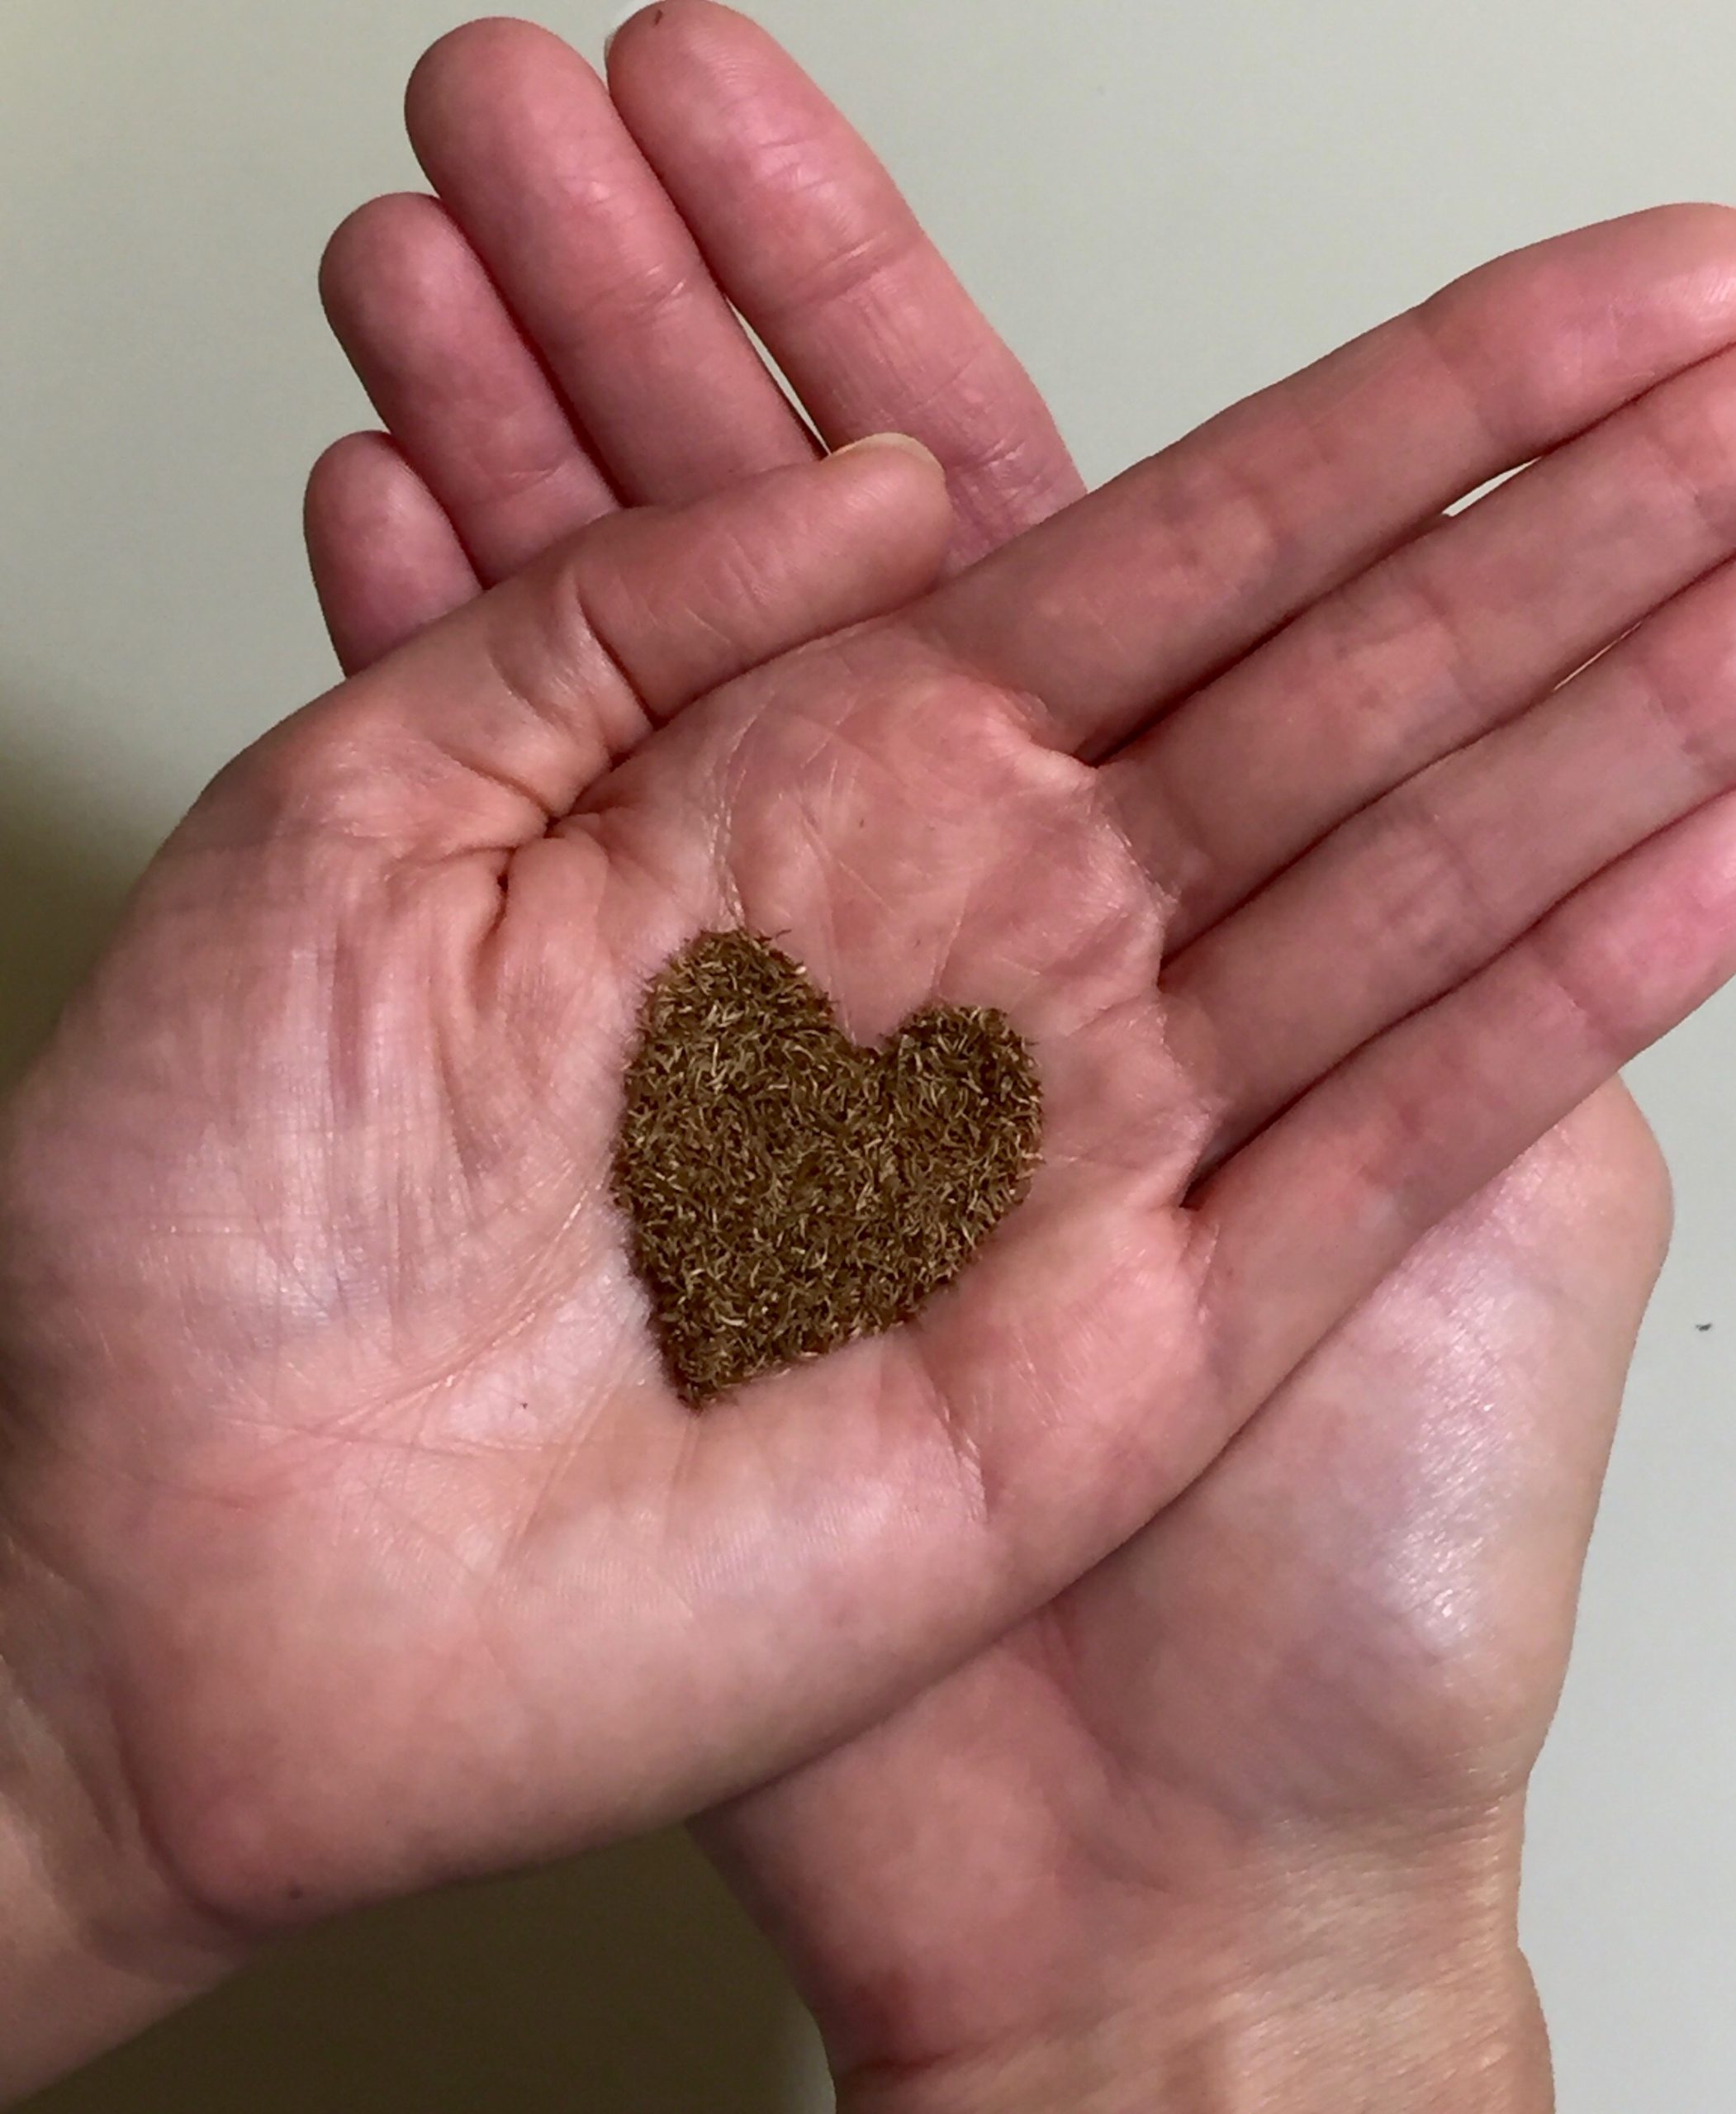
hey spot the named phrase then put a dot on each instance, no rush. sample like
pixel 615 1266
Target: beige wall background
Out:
pixel 1165 205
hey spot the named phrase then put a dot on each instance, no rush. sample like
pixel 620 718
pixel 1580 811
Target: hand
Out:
pixel 353 1546
pixel 1439 1454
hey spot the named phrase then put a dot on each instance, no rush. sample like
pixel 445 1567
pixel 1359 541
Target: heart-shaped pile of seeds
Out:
pixel 788 1190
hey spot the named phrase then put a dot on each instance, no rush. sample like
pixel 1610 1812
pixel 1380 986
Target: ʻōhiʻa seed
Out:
pixel 788 1190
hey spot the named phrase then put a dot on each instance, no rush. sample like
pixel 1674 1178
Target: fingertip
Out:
pixel 908 478
pixel 907 443
pixel 692 23
pixel 494 44
pixel 342 245
pixel 384 558
pixel 340 471
pixel 452 50
pixel 385 240
pixel 474 40
pixel 613 37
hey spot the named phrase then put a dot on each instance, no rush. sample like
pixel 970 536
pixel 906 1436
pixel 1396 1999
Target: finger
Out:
pixel 1449 636
pixel 385 559
pixel 465 397
pixel 484 729
pixel 1418 892
pixel 1181 565
pixel 811 239
pixel 1417 1121
pixel 521 138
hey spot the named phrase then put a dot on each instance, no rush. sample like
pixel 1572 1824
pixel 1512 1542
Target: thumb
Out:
pixel 493 722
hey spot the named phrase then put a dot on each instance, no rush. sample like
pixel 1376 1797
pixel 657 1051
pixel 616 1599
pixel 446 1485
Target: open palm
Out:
pixel 360 1538
pixel 1365 1607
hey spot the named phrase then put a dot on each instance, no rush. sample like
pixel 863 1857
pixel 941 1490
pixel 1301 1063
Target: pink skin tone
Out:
pixel 1365 1606
pixel 1310 1397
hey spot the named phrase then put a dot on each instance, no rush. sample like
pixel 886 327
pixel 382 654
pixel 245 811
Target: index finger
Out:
pixel 1115 608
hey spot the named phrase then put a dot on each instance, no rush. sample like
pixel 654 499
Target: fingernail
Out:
pixel 904 440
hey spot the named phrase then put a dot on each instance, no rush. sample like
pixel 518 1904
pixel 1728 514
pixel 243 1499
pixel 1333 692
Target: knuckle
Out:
pixel 1689 433
pixel 858 258
pixel 1423 888
pixel 1379 645
pixel 1592 987
pixel 638 294
pixel 553 664
pixel 1221 525
pixel 565 648
pixel 1683 668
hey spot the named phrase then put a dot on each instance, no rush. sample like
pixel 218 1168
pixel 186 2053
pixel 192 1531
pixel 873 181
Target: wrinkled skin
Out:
pixel 356 1388
pixel 1360 1615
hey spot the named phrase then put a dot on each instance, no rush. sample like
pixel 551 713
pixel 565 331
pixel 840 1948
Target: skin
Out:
pixel 1441 1450
pixel 422 1464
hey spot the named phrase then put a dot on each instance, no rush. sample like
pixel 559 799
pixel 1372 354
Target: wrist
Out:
pixel 66 1992
pixel 95 1942
pixel 1350 1983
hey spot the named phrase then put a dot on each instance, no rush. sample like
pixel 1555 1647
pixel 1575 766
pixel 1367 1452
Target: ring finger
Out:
pixel 1420 892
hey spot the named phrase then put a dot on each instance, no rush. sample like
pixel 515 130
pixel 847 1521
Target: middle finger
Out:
pixel 527 153
pixel 1408 898
pixel 1448 637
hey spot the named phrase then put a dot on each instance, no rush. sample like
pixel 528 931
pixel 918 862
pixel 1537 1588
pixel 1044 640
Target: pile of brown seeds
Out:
pixel 788 1190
